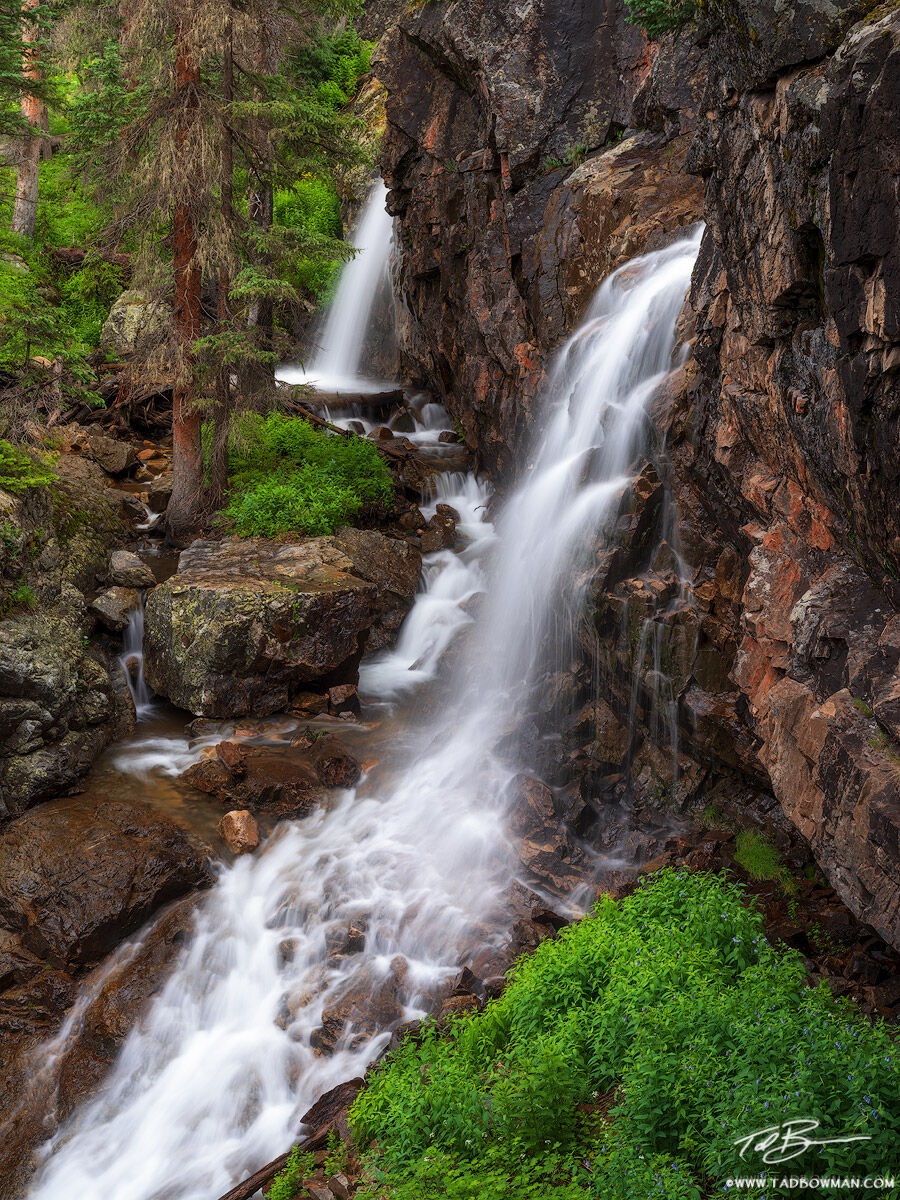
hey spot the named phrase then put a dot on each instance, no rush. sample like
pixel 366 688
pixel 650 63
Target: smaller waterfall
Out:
pixel 335 365
pixel 131 660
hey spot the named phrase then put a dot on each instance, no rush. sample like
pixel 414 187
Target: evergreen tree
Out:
pixel 214 126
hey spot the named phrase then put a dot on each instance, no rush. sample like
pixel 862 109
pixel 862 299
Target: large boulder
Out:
pixel 136 320
pixel 393 566
pixel 58 702
pixel 247 625
pixel 76 878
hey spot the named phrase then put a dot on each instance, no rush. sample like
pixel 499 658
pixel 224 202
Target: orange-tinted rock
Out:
pixel 76 878
pixel 240 831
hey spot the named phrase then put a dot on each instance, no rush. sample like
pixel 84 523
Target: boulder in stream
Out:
pixel 77 877
pixel 246 625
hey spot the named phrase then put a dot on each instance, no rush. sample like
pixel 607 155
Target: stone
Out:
pixel 159 493
pixel 393 566
pixel 115 606
pixel 111 455
pixel 245 625
pixel 282 784
pixel 76 878
pixel 240 831
pixel 128 571
pixel 136 322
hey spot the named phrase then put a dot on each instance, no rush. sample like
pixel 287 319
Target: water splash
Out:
pixel 214 1080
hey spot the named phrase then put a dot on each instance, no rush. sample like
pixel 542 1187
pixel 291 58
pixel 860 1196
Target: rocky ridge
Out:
pixel 769 601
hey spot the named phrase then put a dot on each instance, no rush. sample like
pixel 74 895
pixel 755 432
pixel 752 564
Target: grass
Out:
pixel 285 476
pixel 625 1058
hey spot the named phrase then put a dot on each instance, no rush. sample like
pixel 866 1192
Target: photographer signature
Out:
pixel 781 1143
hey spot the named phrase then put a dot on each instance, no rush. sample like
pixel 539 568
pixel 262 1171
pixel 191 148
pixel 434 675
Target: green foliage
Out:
pixel 672 997
pixel 289 1179
pixel 761 860
pixel 285 476
pixel 333 59
pixel 20 470
pixel 659 16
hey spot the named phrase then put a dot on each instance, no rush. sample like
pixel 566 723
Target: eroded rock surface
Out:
pixel 76 878
pixel 247 625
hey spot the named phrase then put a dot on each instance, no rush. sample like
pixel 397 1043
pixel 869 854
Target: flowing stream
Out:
pixel 213 1081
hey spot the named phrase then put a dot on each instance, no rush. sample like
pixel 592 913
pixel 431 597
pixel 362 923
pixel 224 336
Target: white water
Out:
pixel 208 1086
pixel 335 364
pixel 131 660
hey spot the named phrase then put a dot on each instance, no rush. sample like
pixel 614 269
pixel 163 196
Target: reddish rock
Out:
pixel 240 831
pixel 75 879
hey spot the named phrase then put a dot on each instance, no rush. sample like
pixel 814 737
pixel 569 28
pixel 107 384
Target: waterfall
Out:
pixel 214 1079
pixel 131 660
pixel 335 364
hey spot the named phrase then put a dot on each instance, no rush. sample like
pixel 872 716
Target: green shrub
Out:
pixel 659 16
pixel 286 476
pixel 674 998
pixel 20 470
pixel 289 1179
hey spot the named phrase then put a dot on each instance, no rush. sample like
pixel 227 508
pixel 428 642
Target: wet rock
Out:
pixel 115 606
pixel 369 1004
pixel 439 533
pixel 128 571
pixel 75 879
pixel 113 456
pixel 333 764
pixel 393 566
pixel 245 625
pixel 58 703
pixel 240 831
pixel 280 783
pixel 159 493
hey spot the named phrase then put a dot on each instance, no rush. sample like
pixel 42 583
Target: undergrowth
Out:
pixel 20 470
pixel 670 1010
pixel 657 17
pixel 285 476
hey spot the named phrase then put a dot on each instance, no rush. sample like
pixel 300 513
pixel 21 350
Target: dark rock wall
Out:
pixel 531 151
pixel 489 109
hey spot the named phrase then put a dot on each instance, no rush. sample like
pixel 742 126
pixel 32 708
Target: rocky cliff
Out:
pixel 530 150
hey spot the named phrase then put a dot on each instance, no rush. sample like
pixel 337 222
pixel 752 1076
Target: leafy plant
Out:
pixel 672 997
pixel 289 1179
pixel 20 470
pixel 286 476
pixel 657 17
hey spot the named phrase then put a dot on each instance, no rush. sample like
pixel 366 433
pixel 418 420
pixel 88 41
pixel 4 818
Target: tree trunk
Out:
pixel 26 200
pixel 223 408
pixel 186 504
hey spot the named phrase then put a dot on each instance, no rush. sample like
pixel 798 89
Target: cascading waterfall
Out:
pixel 214 1080
pixel 131 660
pixel 335 364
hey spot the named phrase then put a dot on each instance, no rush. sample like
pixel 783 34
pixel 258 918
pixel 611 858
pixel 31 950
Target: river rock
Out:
pixel 246 625
pixel 393 566
pixel 75 879
pixel 115 606
pixel 280 783
pixel 240 831
pixel 113 456
pixel 128 571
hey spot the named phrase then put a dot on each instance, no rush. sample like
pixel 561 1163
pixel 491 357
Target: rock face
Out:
pixel 490 109
pixel 75 907
pixel 246 626
pixel 773 680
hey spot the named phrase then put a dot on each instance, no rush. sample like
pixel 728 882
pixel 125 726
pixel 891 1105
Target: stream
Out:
pixel 213 1081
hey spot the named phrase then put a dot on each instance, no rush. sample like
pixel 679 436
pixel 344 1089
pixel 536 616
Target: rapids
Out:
pixel 213 1080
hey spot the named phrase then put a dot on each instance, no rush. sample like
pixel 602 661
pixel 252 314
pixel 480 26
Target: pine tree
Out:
pixel 214 128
